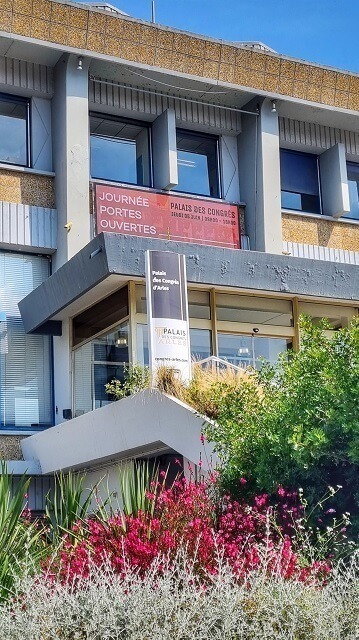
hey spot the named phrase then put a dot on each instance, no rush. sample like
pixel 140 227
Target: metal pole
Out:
pixel 153 13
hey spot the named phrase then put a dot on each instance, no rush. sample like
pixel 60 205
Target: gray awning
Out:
pixel 111 259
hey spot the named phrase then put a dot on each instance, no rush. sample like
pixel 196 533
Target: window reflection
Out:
pixel 299 181
pixel 201 344
pixel 13 130
pixel 197 158
pixel 254 310
pixel 119 150
pixel 249 351
pixel 353 184
pixel 95 364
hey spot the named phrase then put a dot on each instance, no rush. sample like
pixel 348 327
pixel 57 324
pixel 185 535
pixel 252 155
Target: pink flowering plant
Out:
pixel 189 515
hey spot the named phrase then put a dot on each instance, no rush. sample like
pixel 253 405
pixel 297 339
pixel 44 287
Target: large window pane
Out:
pixel 353 183
pixel 337 315
pixel 254 310
pixel 299 181
pixel 199 305
pixel 201 344
pixel 249 351
pixel 197 164
pixel 25 360
pixel 119 150
pixel 13 130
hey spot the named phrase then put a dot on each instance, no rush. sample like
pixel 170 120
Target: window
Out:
pixel 253 310
pixel 197 157
pixel 337 315
pixel 14 123
pixel 353 183
pixel 300 181
pixel 201 344
pixel 120 150
pixel 249 351
pixel 25 360
pixel 96 363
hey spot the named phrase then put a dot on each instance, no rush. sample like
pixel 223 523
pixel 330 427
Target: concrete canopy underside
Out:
pixel 145 424
pixel 111 259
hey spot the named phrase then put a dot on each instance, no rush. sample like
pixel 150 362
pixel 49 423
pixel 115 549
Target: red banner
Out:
pixel 138 212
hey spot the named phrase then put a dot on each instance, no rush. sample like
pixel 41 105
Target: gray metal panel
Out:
pixel 321 253
pixel 28 226
pixel 334 181
pixel 317 136
pixel 26 75
pixel 41 143
pixel 193 113
pixel 211 266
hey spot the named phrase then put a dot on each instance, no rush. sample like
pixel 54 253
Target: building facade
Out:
pixel 108 125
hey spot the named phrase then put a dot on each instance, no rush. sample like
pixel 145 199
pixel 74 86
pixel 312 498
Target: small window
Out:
pixel 300 181
pixel 14 121
pixel 353 183
pixel 197 157
pixel 120 150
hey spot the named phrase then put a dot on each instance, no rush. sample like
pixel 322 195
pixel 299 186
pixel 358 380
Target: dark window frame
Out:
pixel 209 136
pixel 6 97
pixel 304 211
pixel 130 121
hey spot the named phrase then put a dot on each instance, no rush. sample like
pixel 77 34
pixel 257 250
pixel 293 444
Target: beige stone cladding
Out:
pixel 325 233
pixel 27 188
pixel 10 448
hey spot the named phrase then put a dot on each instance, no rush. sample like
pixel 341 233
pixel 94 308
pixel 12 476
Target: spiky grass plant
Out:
pixel 68 503
pixel 20 539
pixel 136 479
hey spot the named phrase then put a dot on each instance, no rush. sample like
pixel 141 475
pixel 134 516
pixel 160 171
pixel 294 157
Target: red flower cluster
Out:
pixel 186 516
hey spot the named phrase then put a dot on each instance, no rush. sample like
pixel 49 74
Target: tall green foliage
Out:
pixel 69 503
pixel 20 541
pixel 135 480
pixel 298 425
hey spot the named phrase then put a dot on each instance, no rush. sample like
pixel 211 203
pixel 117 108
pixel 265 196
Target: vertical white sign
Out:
pixel 167 312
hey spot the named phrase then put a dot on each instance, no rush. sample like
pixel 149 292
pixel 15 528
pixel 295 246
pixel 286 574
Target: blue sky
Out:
pixel 323 31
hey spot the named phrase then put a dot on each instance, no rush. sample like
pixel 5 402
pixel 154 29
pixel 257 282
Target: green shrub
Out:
pixel 136 378
pixel 297 422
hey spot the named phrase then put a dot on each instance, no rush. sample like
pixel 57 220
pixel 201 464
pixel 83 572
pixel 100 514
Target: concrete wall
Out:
pixel 71 156
pixel 259 175
pixel 146 423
